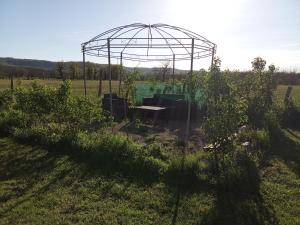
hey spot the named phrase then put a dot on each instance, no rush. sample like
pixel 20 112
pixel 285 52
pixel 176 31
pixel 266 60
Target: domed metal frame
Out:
pixel 146 43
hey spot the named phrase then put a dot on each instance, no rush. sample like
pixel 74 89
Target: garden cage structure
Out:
pixel 146 43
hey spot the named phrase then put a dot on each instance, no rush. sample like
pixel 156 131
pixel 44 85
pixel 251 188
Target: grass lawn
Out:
pixel 39 186
pixel 281 90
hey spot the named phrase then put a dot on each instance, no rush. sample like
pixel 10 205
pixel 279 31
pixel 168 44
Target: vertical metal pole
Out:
pixel 173 73
pixel 121 73
pixel 100 83
pixel 84 75
pixel 189 94
pixel 212 56
pixel 109 74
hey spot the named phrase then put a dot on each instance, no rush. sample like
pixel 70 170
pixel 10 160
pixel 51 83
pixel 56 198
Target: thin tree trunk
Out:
pixel 12 81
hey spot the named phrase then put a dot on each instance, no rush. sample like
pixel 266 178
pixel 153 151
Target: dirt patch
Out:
pixel 168 134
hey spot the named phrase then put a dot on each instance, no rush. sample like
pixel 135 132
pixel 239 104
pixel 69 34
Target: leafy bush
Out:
pixel 13 119
pixel 52 117
pixel 36 99
pixel 6 99
pixel 258 139
pixel 156 150
pixel 120 153
pixel 46 134
pixel 239 174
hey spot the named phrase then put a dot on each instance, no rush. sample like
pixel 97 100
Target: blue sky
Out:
pixel 242 29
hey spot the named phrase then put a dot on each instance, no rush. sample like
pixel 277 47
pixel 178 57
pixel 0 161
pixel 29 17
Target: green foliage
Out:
pixel 258 139
pixel 258 64
pixel 37 99
pixel 226 111
pixel 60 70
pixel 156 150
pixel 6 99
pixel 129 86
pixel 239 174
pixel 51 134
pixel 120 153
pixel 13 119
pixel 259 90
pixel 52 117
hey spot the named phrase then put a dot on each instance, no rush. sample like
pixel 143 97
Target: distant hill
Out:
pixel 32 63
pixel 50 65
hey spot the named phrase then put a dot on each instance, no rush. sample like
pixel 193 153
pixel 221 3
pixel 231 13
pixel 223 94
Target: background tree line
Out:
pixel 29 69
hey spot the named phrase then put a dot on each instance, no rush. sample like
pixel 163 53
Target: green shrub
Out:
pixel 258 139
pixel 52 117
pixel 238 174
pixel 46 134
pixel 119 152
pixel 13 119
pixel 6 99
pixel 156 150
pixel 36 99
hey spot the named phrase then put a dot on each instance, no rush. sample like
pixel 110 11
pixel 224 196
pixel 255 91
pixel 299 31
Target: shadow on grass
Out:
pixel 25 174
pixel 233 209
pixel 29 171
pixel 238 197
pixel 287 147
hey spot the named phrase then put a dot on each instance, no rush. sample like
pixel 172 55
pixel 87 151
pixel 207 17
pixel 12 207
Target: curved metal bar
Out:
pixel 186 31
pixel 165 40
pixel 175 40
pixel 116 28
pixel 114 34
pixel 125 32
pixel 132 38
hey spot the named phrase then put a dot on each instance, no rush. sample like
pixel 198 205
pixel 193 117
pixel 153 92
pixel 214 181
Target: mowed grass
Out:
pixel 281 90
pixel 39 186
pixel 93 86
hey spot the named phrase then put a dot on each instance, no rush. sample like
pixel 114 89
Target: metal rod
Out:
pixel 12 81
pixel 121 72
pixel 100 82
pixel 84 75
pixel 212 57
pixel 189 94
pixel 109 74
pixel 165 40
pixel 173 73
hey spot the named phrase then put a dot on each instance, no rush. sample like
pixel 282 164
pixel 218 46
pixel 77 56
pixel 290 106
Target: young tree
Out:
pixel 226 112
pixel 91 71
pixel 261 86
pixel 129 88
pixel 60 70
pixel 163 70
pixel 74 69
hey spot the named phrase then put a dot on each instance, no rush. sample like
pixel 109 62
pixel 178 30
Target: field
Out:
pixel 281 90
pixel 77 85
pixel 48 187
pixel 92 87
